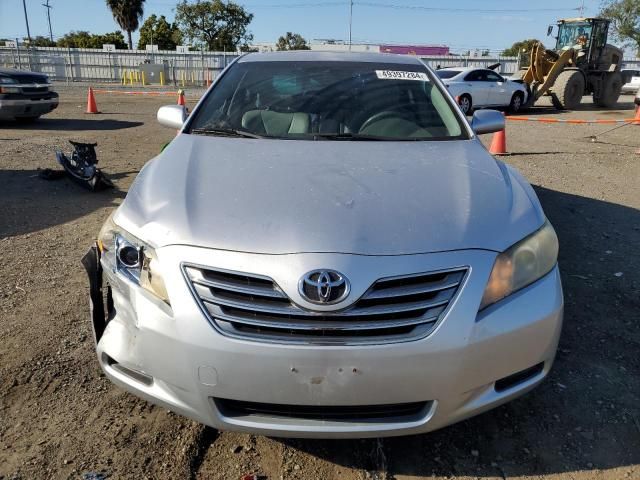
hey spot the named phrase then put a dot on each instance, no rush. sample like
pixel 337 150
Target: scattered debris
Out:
pixel 94 476
pixel 81 166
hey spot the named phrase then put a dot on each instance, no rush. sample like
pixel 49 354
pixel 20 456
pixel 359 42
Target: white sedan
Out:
pixel 480 87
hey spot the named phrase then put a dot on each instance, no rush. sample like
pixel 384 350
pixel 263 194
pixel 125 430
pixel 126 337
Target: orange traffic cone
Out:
pixel 91 102
pixel 181 97
pixel 498 143
pixel 637 117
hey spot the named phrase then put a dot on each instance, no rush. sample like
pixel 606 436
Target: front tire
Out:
pixel 466 104
pixel 568 90
pixel 517 102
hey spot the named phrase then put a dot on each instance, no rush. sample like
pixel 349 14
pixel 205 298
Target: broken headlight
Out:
pixel 522 264
pixel 131 258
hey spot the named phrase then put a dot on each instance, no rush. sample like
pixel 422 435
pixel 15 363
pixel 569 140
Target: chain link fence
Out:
pixel 180 69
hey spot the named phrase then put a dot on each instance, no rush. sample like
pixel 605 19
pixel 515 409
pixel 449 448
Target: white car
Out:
pixel 479 87
pixel 631 79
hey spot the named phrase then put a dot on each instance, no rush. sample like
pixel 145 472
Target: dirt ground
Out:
pixel 61 418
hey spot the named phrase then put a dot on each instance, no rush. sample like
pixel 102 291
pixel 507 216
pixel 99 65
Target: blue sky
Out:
pixel 492 28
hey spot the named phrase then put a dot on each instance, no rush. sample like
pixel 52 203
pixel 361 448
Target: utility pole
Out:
pixel 582 9
pixel 350 21
pixel 49 7
pixel 26 20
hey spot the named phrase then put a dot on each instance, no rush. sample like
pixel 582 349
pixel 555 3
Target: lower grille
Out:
pixel 35 89
pixel 396 412
pixel 254 307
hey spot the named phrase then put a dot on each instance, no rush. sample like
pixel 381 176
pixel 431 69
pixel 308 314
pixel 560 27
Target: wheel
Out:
pixel 517 101
pixel 466 105
pixel 567 92
pixel 609 92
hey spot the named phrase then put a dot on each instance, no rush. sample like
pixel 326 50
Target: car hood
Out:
pixel 361 197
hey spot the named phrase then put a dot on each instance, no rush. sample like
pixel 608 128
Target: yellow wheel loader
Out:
pixel 581 64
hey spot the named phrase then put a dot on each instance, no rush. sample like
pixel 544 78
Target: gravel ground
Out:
pixel 61 418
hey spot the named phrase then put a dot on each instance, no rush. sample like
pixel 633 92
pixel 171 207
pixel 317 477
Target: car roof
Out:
pixel 316 56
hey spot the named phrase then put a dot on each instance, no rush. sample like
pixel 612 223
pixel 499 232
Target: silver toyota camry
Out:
pixel 326 249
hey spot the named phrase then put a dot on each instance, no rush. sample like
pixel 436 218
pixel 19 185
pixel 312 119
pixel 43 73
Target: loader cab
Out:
pixel 587 35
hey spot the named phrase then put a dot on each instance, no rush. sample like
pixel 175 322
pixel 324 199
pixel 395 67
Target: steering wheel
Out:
pixel 384 115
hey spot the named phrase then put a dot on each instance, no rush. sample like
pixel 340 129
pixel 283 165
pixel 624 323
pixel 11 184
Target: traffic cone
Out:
pixel 498 143
pixel 181 97
pixel 91 102
pixel 637 117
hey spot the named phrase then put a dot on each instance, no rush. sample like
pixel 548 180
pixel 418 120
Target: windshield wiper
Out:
pixel 226 132
pixel 346 136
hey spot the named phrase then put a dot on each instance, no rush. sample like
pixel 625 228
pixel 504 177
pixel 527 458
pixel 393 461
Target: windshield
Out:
pixel 447 73
pixel 322 100
pixel 572 35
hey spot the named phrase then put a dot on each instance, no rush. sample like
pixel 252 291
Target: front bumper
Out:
pixel 173 357
pixel 26 106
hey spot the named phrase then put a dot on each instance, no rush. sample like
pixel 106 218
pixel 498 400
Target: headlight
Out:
pixel 10 90
pixel 131 258
pixel 522 264
pixel 4 80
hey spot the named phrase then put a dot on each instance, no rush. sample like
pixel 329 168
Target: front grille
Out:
pixel 254 307
pixel 331 413
pixel 35 89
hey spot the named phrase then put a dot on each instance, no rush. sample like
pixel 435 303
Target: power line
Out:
pixel 396 6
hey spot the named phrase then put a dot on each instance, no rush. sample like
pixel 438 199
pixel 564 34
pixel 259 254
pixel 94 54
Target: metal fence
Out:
pixel 192 68
pixel 84 64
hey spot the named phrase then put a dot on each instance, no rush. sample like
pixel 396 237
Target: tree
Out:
pixel 216 24
pixel 127 13
pixel 41 41
pixel 625 20
pixel 83 39
pixel 114 38
pixel 158 31
pixel 518 47
pixel 292 41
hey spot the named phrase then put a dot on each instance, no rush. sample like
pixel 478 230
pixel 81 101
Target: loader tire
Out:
pixel 609 92
pixel 568 90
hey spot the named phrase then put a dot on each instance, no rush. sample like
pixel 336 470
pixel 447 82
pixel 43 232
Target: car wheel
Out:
pixel 516 102
pixel 466 105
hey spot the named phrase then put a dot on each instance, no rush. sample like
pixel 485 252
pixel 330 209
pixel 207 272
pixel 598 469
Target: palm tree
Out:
pixel 128 14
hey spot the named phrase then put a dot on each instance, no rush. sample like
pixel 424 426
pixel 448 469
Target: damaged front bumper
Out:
pixel 171 355
pixel 100 299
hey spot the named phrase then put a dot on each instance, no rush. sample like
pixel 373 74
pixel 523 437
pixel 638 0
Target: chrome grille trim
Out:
pixel 254 307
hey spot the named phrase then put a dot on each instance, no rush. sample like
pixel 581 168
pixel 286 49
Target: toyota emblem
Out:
pixel 324 287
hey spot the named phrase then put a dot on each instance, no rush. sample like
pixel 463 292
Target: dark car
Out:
pixel 24 95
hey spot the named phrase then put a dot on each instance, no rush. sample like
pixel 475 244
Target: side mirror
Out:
pixel 487 121
pixel 549 30
pixel 172 116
